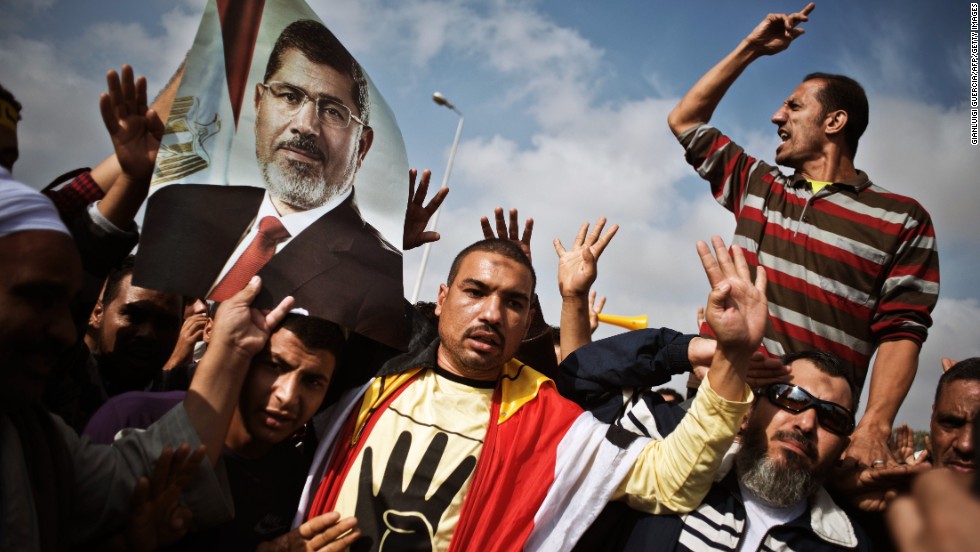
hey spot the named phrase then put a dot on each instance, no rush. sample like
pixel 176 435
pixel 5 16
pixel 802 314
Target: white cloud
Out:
pixel 60 111
pixel 59 83
pixel 505 36
pixel 952 335
pixel 923 151
pixel 883 65
pixel 38 6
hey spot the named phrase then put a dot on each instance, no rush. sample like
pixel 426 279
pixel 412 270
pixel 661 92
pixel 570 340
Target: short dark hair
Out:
pixel 845 93
pixel 114 280
pixel 829 364
pixel 8 96
pixel 676 397
pixel 319 45
pixel 499 246
pixel 315 333
pixel 964 370
pixel 428 310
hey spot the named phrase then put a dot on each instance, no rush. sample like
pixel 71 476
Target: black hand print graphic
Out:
pixel 397 519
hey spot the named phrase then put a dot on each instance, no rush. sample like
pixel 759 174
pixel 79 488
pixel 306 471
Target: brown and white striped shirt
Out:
pixel 849 266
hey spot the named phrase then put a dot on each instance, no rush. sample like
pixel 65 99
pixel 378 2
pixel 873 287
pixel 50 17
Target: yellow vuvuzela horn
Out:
pixel 628 322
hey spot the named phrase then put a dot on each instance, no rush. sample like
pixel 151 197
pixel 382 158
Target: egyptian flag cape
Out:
pixel 546 470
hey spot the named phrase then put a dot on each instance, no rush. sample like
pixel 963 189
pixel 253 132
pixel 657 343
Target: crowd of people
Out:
pixel 137 418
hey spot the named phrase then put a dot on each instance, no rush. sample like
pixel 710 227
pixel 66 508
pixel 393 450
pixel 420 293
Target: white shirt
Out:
pixel 294 223
pixel 761 517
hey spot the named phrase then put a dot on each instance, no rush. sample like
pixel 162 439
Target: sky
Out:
pixel 565 106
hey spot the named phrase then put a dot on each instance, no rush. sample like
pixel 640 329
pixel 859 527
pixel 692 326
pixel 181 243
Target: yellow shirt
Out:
pixel 433 412
pixel 674 474
pixel 818 185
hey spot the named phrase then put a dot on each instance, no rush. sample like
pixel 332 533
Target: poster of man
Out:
pixel 264 170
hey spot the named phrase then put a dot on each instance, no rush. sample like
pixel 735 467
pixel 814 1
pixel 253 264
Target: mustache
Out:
pixel 484 328
pixel 805 443
pixel 302 142
pixel 957 456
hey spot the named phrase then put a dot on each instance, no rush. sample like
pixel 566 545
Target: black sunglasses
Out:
pixel 832 416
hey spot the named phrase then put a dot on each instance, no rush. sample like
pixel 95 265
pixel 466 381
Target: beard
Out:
pixel 303 185
pixel 778 483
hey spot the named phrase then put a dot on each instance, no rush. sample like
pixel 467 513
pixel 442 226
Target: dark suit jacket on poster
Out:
pixel 340 268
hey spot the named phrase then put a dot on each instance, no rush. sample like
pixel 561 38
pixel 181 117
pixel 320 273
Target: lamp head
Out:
pixel 441 100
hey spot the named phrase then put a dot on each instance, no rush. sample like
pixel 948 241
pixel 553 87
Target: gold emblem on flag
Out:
pixel 182 149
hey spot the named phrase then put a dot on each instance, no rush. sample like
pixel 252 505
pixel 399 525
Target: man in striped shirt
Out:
pixel 852 267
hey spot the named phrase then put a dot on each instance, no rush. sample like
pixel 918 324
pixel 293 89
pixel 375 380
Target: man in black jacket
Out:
pixel 774 498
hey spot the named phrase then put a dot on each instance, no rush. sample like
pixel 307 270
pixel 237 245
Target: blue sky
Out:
pixel 565 105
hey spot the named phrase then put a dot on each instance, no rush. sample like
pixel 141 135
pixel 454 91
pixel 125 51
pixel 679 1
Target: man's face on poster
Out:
pixel 304 161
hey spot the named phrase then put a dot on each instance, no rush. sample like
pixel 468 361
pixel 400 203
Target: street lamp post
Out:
pixel 441 100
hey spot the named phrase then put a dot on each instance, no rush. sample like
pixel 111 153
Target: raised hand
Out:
pixel 872 489
pixel 902 444
pixel 775 33
pixel 324 533
pixel 157 518
pixel 134 129
pixel 947 363
pixel 242 328
pixel 595 309
pixel 764 370
pixel 737 310
pixel 509 234
pixel 923 456
pixel 191 331
pixel 417 215
pixel 871 449
pixel 577 266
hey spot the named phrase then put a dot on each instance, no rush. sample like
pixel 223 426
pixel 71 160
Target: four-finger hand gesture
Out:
pixel 509 234
pixel 737 309
pixel 778 30
pixel 134 129
pixel 419 508
pixel 902 444
pixel 417 215
pixel 157 519
pixel 577 266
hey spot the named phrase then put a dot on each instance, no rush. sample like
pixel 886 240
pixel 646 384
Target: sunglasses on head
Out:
pixel 832 416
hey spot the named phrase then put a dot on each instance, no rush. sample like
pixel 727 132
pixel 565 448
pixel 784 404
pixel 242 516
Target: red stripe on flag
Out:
pixel 239 29
pixel 513 475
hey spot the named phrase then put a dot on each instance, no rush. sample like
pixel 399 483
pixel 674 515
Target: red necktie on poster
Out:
pixel 258 253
